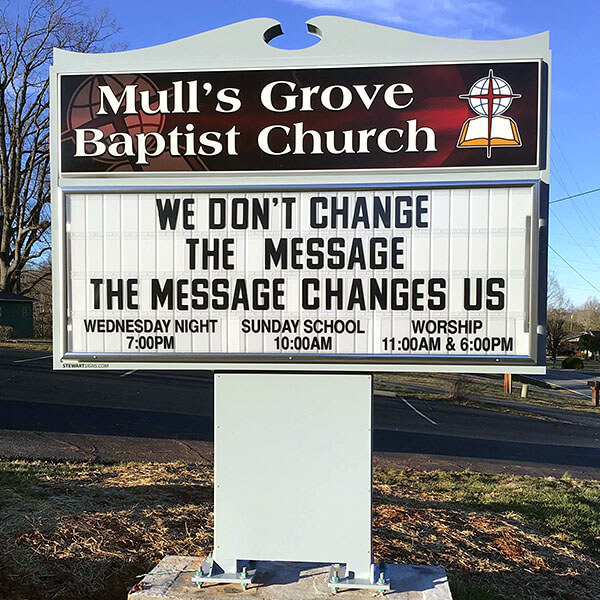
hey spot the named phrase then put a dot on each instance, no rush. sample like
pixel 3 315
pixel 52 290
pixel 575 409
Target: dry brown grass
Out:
pixel 494 555
pixel 85 531
pixel 74 531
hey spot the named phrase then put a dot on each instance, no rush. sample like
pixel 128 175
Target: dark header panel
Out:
pixel 431 116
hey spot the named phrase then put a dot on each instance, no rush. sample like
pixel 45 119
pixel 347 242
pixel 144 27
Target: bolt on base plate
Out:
pixel 338 579
pixel 209 572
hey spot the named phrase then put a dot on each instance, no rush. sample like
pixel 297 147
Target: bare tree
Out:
pixel 37 279
pixel 556 332
pixel 588 315
pixel 557 297
pixel 28 33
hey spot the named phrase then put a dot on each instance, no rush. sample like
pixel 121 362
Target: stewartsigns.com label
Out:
pixel 381 272
pixel 429 116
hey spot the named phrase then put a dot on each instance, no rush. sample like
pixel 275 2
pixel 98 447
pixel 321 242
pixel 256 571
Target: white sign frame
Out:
pixel 382 46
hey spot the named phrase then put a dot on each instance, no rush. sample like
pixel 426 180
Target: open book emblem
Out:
pixel 489 97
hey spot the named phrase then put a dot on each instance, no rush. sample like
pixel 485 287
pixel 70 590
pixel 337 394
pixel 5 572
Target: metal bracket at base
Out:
pixel 338 579
pixel 210 572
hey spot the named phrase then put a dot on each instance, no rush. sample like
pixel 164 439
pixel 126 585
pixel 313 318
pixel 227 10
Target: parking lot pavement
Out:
pixel 574 381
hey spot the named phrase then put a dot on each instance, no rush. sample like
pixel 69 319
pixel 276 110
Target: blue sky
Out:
pixel 574 29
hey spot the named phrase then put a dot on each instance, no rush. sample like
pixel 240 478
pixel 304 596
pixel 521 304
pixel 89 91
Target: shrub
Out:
pixel 573 362
pixel 459 390
pixel 6 332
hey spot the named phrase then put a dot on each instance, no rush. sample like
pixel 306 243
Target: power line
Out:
pixel 575 195
pixel 566 161
pixel 572 267
pixel 554 173
pixel 583 222
pixel 562 182
pixel 559 221
pixel 577 209
pixel 580 216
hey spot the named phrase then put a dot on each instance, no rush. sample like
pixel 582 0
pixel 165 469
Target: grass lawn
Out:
pixel 75 531
pixel 32 345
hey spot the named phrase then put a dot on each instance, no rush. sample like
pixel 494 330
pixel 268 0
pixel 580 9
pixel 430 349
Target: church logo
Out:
pixel 489 98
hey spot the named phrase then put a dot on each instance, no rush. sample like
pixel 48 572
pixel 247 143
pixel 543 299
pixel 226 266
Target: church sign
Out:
pixel 324 213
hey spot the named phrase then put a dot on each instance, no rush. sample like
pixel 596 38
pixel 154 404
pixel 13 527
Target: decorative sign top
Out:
pixel 389 117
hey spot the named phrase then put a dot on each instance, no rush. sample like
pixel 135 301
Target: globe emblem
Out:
pixel 82 111
pixel 496 86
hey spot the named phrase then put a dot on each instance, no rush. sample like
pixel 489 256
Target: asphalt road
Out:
pixel 104 415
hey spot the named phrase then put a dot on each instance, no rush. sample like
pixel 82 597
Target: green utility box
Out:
pixel 16 311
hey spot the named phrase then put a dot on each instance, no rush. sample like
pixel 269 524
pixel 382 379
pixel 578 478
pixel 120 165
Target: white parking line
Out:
pixel 417 411
pixel 30 359
pixel 553 383
pixel 128 373
pixel 389 394
pixel 562 387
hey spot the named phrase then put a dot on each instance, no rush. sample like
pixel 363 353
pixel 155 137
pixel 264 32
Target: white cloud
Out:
pixel 453 18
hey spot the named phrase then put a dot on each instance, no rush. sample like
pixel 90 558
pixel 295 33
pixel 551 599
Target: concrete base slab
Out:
pixel 171 579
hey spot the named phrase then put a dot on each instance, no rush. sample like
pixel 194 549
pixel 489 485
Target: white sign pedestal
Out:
pixel 293 473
